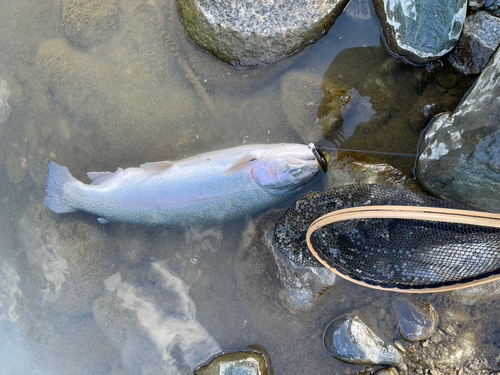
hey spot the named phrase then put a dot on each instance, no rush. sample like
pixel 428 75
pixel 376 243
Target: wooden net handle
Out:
pixel 447 215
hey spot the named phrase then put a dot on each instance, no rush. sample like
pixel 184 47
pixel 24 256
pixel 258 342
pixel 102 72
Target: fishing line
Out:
pixel 369 151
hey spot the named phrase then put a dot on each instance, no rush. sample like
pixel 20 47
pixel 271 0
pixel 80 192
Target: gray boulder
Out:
pixel 460 153
pixel 479 41
pixel 421 31
pixel 253 33
pixel 350 340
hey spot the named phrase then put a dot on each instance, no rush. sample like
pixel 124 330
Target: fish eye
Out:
pixel 296 172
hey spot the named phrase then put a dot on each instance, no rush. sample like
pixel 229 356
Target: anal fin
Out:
pixel 157 165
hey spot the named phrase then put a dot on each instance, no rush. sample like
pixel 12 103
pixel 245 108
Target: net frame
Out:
pixel 435 214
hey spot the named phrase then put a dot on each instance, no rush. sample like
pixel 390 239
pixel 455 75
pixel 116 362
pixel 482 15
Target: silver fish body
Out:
pixel 206 189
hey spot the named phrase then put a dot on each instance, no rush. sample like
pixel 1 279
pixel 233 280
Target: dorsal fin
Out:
pixel 157 166
pixel 240 164
pixel 99 178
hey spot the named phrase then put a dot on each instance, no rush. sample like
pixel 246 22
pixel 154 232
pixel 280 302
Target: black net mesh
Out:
pixel 388 252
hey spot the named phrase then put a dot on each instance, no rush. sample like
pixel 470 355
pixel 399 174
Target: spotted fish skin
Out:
pixel 207 189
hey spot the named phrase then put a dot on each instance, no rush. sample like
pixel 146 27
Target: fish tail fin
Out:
pixel 57 177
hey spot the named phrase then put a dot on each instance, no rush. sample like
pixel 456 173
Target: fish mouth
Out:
pixel 320 157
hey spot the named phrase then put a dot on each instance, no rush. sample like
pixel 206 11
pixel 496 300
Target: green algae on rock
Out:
pixel 252 33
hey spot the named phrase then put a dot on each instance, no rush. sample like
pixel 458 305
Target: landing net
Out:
pixel 428 253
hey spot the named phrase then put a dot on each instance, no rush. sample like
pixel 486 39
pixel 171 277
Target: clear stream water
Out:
pixel 128 99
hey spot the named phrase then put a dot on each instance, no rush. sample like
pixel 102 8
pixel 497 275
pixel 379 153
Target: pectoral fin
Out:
pixel 240 164
pixel 157 165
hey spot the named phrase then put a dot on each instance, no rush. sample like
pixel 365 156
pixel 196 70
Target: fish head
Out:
pixel 286 167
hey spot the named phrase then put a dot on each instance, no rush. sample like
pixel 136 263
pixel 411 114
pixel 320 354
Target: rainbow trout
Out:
pixel 206 189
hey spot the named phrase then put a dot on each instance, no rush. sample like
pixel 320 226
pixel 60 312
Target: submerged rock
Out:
pixel 89 22
pixel 421 31
pixel 479 40
pixel 152 321
pixel 483 292
pixel 355 168
pixel 69 259
pixel 303 285
pixel 244 362
pixel 250 33
pixel 415 323
pixel 460 150
pixel 298 287
pixel 350 340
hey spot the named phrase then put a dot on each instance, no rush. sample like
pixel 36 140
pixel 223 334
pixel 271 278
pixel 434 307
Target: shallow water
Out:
pixel 130 98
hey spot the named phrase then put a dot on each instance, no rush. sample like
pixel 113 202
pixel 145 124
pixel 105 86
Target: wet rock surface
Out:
pixel 479 40
pixel 460 153
pixel 244 362
pixel 421 31
pixel 350 340
pixel 256 33
pixel 415 322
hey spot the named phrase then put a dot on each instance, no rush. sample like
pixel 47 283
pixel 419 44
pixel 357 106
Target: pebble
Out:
pixel 350 340
pixel 387 371
pixel 416 323
pixel 244 362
